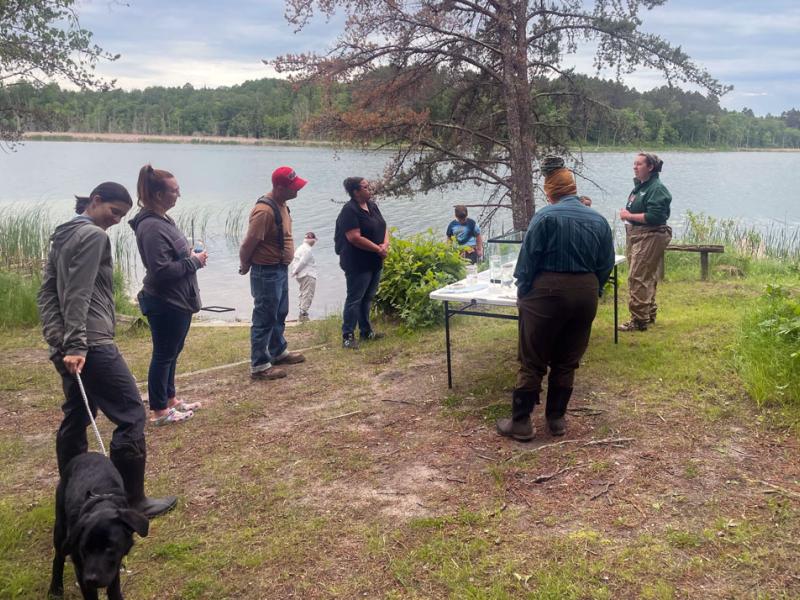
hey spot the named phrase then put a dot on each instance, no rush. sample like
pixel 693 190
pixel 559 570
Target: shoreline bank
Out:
pixel 130 138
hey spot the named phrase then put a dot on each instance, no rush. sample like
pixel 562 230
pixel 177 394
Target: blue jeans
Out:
pixel 361 289
pixel 269 286
pixel 168 327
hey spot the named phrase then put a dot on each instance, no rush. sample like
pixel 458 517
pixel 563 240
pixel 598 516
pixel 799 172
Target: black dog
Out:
pixel 93 525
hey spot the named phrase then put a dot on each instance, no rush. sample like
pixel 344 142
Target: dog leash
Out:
pixel 89 411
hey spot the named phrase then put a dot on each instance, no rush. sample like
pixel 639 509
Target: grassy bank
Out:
pixel 363 475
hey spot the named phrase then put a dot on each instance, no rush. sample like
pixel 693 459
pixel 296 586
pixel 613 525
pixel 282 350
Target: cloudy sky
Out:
pixel 750 45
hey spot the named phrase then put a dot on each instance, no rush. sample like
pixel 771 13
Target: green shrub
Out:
pixel 768 352
pixel 413 269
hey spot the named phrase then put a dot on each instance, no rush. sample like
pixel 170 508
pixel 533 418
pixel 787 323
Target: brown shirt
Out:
pixel 262 227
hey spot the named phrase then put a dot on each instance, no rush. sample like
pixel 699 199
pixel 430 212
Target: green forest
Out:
pixel 616 115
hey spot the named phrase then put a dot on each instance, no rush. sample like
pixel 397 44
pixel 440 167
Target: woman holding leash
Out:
pixel 76 304
pixel 170 294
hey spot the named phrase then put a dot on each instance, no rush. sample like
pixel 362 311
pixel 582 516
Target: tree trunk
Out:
pixel 513 45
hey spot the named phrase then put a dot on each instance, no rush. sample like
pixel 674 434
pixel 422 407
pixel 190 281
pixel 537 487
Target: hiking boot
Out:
pixel 302 318
pixel 289 358
pixel 372 335
pixel 633 325
pixel 349 341
pixel 268 374
pixel 521 430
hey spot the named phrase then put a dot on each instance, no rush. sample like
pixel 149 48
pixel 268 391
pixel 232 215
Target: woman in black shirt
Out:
pixel 364 244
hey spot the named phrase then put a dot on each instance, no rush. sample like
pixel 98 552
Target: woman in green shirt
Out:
pixel 647 236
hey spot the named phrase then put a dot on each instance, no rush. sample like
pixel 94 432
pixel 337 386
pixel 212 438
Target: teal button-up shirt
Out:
pixel 566 237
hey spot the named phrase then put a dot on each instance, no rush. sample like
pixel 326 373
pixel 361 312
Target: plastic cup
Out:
pixel 472 274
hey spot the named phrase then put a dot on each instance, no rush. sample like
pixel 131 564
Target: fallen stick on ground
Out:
pixel 605 491
pixel 225 366
pixel 777 488
pixel 561 443
pixel 350 414
pixel 399 401
pixel 543 478
pixel 608 441
pixel 585 411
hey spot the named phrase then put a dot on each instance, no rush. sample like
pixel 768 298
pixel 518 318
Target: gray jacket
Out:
pixel 76 300
pixel 171 269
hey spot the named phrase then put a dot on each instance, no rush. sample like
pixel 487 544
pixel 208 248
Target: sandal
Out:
pixel 186 406
pixel 173 416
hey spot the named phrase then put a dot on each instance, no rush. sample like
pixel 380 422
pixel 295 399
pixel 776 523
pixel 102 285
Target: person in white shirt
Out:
pixel 304 269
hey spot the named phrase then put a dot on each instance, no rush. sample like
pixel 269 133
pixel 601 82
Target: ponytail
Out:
pixel 107 191
pixel 151 181
pixel 81 202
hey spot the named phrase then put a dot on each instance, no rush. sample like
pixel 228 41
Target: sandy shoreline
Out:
pixel 68 136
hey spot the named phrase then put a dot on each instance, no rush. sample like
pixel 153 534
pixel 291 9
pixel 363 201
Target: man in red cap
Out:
pixel 266 251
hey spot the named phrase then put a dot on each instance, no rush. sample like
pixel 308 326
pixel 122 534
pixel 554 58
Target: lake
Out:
pixel 218 182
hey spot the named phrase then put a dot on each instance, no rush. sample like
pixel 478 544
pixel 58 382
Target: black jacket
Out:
pixel 171 269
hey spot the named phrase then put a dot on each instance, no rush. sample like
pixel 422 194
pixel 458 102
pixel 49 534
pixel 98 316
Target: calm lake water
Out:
pixel 219 181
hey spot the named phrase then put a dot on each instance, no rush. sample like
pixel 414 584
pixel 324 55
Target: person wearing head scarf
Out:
pixel 76 306
pixel 647 236
pixel 566 257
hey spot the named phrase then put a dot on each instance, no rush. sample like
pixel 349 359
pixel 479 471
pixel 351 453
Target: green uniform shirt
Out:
pixel 651 198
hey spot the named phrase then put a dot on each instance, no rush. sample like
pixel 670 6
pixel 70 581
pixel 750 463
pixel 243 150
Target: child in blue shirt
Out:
pixel 467 233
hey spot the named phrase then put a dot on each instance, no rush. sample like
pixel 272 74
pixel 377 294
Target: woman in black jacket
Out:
pixel 170 293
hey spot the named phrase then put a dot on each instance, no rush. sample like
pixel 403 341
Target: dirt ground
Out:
pixel 362 475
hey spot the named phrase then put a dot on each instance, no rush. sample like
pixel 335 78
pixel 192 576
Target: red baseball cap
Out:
pixel 286 177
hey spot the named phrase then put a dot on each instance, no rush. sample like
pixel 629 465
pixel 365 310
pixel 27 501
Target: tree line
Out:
pixel 278 109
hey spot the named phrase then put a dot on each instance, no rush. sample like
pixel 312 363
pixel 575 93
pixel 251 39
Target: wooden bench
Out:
pixel 704 251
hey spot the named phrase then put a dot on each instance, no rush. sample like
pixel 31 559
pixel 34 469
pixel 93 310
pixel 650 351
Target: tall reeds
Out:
pixel 780 241
pixel 24 239
pixel 24 244
pixel 235 222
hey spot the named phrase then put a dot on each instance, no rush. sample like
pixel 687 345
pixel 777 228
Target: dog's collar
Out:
pixel 94 499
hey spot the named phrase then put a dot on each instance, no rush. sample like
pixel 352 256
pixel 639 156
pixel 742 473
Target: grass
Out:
pixel 362 475
pixel 768 349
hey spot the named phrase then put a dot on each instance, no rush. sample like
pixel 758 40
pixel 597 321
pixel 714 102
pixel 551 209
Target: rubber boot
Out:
pixel 557 400
pixel 130 461
pixel 519 426
pixel 69 448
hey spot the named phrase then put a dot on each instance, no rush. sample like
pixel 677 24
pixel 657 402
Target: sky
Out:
pixel 209 43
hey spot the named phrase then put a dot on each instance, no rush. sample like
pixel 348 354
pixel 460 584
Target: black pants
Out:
pixel 168 328
pixel 555 322
pixel 109 386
